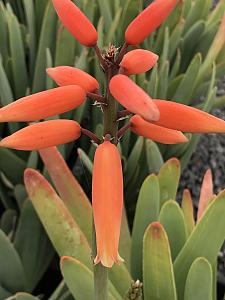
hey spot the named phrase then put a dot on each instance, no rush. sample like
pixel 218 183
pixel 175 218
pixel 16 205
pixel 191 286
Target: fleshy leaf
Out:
pixel 172 219
pixel 62 229
pixel 157 265
pixel 147 211
pixel 188 211
pixel 199 281
pixel 206 193
pixel 11 272
pixel 169 176
pixel 69 189
pixel 208 229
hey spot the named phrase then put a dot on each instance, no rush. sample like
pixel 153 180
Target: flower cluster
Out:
pixel 159 120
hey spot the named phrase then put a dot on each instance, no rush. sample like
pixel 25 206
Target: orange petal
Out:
pixel 138 61
pixel 131 96
pixel 156 133
pixel 76 22
pixel 65 75
pixel 107 202
pixel 206 193
pixel 186 118
pixel 44 104
pixel 148 20
pixel 43 135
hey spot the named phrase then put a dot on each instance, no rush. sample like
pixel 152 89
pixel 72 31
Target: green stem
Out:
pixel 100 273
pixel 110 112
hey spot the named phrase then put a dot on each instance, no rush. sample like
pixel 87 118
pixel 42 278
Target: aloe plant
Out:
pixel 186 273
pixel 166 80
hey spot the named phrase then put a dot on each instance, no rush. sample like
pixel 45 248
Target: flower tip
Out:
pixel 4 143
pixel 49 71
pixel 64 259
pixel 108 261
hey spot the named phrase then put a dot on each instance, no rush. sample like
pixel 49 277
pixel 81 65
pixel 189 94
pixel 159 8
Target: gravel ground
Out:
pixel 210 153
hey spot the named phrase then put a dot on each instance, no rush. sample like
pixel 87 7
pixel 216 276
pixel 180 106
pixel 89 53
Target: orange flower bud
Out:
pixel 43 135
pixel 76 22
pixel 65 75
pixel 138 61
pixel 156 133
pixel 186 118
pixel 131 96
pixel 44 104
pixel 148 21
pixel 107 202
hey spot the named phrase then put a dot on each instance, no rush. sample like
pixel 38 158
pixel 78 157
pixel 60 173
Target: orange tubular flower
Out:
pixel 186 118
pixel 138 61
pixel 44 104
pixel 148 21
pixel 76 22
pixel 43 135
pixel 65 75
pixel 107 202
pixel 156 133
pixel 131 96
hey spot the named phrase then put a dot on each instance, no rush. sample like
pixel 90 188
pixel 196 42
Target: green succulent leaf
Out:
pixel 172 219
pixel 23 296
pixel 154 156
pixel 147 211
pixel 199 281
pixel 12 275
pixel 188 211
pixel 65 48
pixel 169 176
pixel 69 189
pixel 46 40
pixel 8 162
pixel 133 159
pixel 207 230
pixel 35 256
pixel 186 87
pixel 157 265
pixel 19 71
pixel 62 229
pixel 8 220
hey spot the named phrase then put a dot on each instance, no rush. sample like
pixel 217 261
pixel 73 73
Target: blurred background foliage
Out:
pixel 191 46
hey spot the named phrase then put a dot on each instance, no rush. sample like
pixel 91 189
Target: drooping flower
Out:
pixel 65 75
pixel 76 22
pixel 44 104
pixel 148 21
pixel 43 135
pixel 138 61
pixel 107 202
pixel 156 133
pixel 186 118
pixel 133 98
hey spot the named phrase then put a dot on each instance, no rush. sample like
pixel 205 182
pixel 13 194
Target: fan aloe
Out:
pixel 163 83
